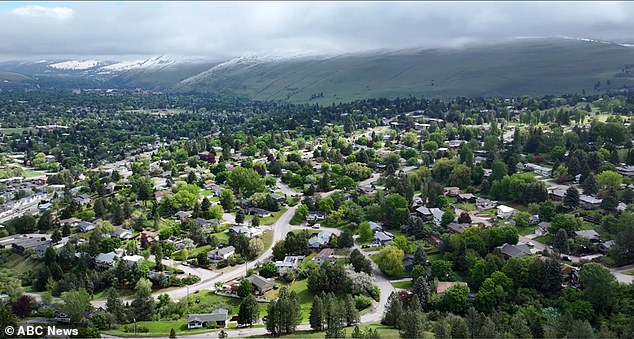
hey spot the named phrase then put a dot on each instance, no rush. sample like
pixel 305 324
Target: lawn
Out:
pixel 305 297
pixel 629 272
pixel 32 173
pixel 384 332
pixel 14 130
pixel 274 216
pixel 123 293
pixel 526 230
pixel 492 212
pixel 160 329
pixel 402 284
pixel 467 207
pixel 15 265
pixel 267 239
pixel 545 239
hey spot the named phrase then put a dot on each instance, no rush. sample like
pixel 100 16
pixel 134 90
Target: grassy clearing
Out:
pixel 629 272
pixel 160 329
pixel 467 207
pixel 14 130
pixel 274 217
pixel 267 239
pixel 384 332
pixel 402 284
pixel 545 239
pixel 526 230
pixel 305 297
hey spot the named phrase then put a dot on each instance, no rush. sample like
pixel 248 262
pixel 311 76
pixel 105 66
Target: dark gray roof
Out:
pixel 259 282
pixel 515 251
pixel 219 314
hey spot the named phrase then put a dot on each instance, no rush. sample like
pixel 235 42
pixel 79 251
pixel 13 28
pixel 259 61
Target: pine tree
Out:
pixel 317 314
pixel 393 310
pixel 412 323
pixel 249 311
pixel 590 186
pixel 422 291
pixel 420 256
pixel 571 199
pixel 519 327
pixel 561 241
pixel 352 314
pixel 442 329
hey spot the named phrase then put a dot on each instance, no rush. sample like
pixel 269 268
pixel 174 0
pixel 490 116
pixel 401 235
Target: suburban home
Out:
pixel 504 212
pixel 466 198
pixel 570 275
pixel 423 211
pixel 605 247
pixel 591 235
pixel 320 240
pixel 557 195
pixel 70 222
pixel 82 200
pixel 452 191
pixel 626 170
pixel 539 170
pixel 61 317
pixel 133 260
pixel 258 211
pixel 514 251
pixel 279 198
pixel 457 228
pixel 85 226
pixel 221 253
pixel 375 227
pixel 105 260
pixel 383 238
pixel 182 215
pixel 250 232
pixel 289 263
pixel 315 215
pixel 437 214
pixel 123 233
pixel 260 284
pixel 589 202
pixel 325 255
pixel 534 219
pixel 217 318
pixel 159 278
pixel 365 189
pixel 207 223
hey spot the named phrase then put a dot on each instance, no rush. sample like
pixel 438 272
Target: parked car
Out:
pixel 316 226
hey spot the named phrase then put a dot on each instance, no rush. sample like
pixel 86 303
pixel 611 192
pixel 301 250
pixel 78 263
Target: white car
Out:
pixel 316 226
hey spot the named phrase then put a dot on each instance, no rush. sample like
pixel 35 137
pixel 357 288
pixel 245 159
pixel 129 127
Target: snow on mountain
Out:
pixel 159 61
pixel 76 65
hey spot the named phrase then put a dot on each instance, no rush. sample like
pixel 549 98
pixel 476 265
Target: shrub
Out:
pixel 361 302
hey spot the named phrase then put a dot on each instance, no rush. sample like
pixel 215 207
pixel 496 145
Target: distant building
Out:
pixel 260 284
pixel 218 318
pixel 85 226
pixel 325 255
pixel 289 263
pixel 504 212
pixel 221 253
pixel 514 251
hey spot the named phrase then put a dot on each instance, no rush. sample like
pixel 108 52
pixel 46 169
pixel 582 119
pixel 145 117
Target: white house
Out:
pixel 505 211
pixel 132 260
pixel 221 253
pixel 289 263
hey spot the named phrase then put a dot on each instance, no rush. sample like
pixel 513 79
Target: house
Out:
pixel 221 253
pixel 279 198
pixel 158 196
pixel 605 247
pixel 315 215
pixel 320 240
pixel 123 233
pixel 437 214
pixel 504 211
pixel 383 238
pixel 133 260
pixel 207 223
pixel 217 318
pixel 159 278
pixel 61 317
pixel 41 248
pixel 85 226
pixel 570 275
pixel 423 211
pixel 626 170
pixel 289 263
pixel 365 189
pixel 591 235
pixel 70 222
pixel 452 191
pixel 44 207
pixel 258 211
pixel 82 200
pixel 485 204
pixel 105 260
pixel 557 195
pixel 589 202
pixel 375 227
pixel 534 219
pixel 457 228
pixel 325 255
pixel 250 232
pixel 514 251
pixel 539 170
pixel 182 215
pixel 466 198
pixel 260 284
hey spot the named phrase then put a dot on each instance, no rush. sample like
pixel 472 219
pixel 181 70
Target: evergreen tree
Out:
pixel 589 185
pixel 393 310
pixel 442 329
pixel 561 241
pixel 352 314
pixel 114 306
pixel 412 323
pixel 519 327
pixel 317 314
pixel 143 303
pixel 420 256
pixel 240 216
pixel 249 311
pixel 422 291
pixel 571 199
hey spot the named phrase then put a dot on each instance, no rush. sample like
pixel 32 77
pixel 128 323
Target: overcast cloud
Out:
pixel 220 30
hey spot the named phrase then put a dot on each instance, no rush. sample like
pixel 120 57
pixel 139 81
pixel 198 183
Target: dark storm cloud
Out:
pixel 231 29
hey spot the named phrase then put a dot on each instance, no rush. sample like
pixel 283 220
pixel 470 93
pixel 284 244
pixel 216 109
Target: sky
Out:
pixel 217 30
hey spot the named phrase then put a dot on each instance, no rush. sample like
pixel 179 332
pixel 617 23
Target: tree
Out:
pixel 448 217
pixel 565 221
pixel 249 311
pixel 45 222
pixel 598 285
pixel 76 304
pixel 245 181
pixel 610 202
pixel 547 210
pixel 498 170
pixel 422 291
pixel 240 217
pixel 393 310
pixel 561 241
pixel 519 327
pixel 609 180
pixel 202 260
pixel 390 260
pixel 245 289
pixel 114 305
pixel 56 236
pixel 158 257
pixel 455 299
pixel 464 218
pixel 571 199
pixel 227 200
pixel 412 323
pixel 460 176
pixel 365 232
pixel 283 313
pixel 360 262
pixel 172 333
pixel 143 303
pixel 351 312
pixel 590 185
pixel 22 306
pixel 420 256
pixel 317 314
pixel 268 269
pixel 345 240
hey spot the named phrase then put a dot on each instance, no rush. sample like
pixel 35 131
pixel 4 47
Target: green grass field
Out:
pixel 629 272
pixel 402 284
pixel 274 216
pixel 305 297
pixel 384 332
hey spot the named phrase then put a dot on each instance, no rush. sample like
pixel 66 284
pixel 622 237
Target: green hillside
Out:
pixel 518 68
pixel 12 77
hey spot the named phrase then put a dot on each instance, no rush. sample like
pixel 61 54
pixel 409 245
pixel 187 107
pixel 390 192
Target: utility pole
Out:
pixel 187 305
